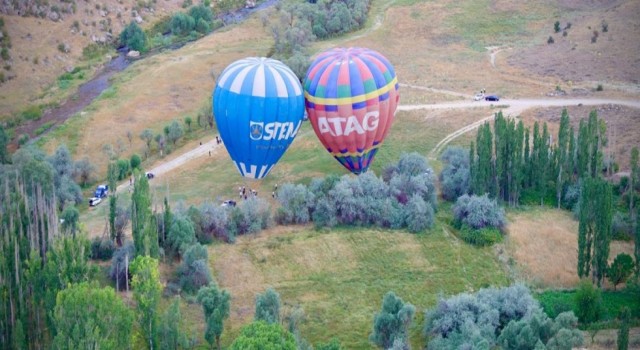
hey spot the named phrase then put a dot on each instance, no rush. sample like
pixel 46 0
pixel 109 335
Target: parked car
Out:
pixel 478 97
pixel 93 201
pixel 228 203
pixel 492 98
pixel 101 191
pixel 149 175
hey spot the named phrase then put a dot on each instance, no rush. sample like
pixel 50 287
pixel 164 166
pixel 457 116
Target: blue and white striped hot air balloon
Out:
pixel 258 104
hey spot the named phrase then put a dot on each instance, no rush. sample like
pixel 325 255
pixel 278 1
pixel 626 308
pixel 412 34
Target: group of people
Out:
pixel 242 191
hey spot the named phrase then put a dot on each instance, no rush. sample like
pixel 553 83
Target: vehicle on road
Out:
pixel 101 191
pixel 228 203
pixel 93 201
pixel 149 175
pixel 492 98
pixel 478 97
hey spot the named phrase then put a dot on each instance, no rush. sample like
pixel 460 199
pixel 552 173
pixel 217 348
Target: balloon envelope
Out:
pixel 258 105
pixel 351 95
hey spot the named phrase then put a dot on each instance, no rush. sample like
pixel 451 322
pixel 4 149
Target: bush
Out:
pixel 324 214
pixel 475 320
pixel 419 215
pixel 194 271
pixel 118 270
pixel 296 204
pixel 538 330
pixel 454 178
pixel 588 300
pixel 478 212
pixel 550 40
pixel 181 235
pixel 621 227
pixel 214 223
pixel 201 12
pixel 252 216
pixel 32 113
pixel 133 37
pixel 102 248
pixel 135 161
pixel 123 168
pixel 181 24
pixel 268 307
pixel 482 237
pixel 620 269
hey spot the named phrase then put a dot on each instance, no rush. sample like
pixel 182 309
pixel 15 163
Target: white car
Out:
pixel 93 201
pixel 478 97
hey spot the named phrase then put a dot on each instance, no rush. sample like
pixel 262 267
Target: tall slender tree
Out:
pixel 594 230
pixel 143 225
pixel 146 292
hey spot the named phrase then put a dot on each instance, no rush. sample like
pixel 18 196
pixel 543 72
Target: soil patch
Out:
pixel 575 57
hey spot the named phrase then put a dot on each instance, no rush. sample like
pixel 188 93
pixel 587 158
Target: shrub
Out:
pixel 133 37
pixel 621 227
pixel 475 320
pixel 181 235
pixel 540 330
pixel 32 112
pixel 214 223
pixel 251 217
pixel 478 212
pixel 201 12
pixel 454 178
pixel 296 203
pixel 556 27
pixel 268 307
pixel 123 168
pixel 419 215
pixel 194 271
pixel 599 87
pixel 589 302
pixel 324 214
pixel 392 323
pixel 182 24
pixel 550 40
pixel 102 248
pixel 620 269
pixel 135 161
pixel 118 270
pixel 481 237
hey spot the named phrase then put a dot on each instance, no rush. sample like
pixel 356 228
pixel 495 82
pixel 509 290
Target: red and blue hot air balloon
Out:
pixel 351 95
pixel 258 105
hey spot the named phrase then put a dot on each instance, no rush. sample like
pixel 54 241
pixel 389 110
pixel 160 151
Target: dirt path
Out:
pixel 167 166
pixel 510 108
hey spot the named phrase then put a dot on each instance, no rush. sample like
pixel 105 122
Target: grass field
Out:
pixel 544 243
pixel 340 276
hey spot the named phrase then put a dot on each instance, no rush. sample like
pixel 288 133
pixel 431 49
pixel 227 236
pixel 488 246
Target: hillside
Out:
pixel 443 53
pixel 48 40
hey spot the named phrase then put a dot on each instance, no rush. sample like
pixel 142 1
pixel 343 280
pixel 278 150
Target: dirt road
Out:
pixel 169 165
pixel 509 108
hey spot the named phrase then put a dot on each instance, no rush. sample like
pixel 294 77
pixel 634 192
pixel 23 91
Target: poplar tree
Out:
pixel 147 290
pixel 484 178
pixel 594 230
pixel 112 175
pixel 561 156
pixel 633 178
pixel 143 224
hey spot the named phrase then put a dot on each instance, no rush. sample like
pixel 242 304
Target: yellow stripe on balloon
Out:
pixel 351 99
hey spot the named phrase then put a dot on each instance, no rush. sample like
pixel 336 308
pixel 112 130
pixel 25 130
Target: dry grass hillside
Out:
pixel 601 45
pixel 36 59
pixel 544 242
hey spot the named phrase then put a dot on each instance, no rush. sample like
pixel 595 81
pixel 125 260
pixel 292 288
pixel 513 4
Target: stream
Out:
pixel 90 90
